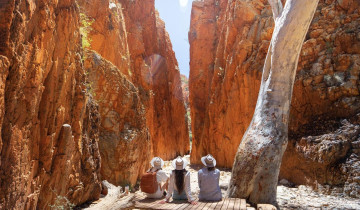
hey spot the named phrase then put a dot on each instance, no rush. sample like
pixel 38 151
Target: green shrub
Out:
pixel 85 28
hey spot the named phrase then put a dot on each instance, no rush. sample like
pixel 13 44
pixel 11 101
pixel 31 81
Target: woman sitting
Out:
pixel 161 177
pixel 179 186
pixel 209 178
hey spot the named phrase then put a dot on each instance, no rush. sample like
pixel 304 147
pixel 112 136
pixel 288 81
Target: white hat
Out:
pixel 208 161
pixel 157 162
pixel 179 163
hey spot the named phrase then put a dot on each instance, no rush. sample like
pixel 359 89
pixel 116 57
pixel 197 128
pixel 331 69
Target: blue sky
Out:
pixel 176 15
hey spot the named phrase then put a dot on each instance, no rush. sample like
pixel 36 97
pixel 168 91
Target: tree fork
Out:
pixel 257 162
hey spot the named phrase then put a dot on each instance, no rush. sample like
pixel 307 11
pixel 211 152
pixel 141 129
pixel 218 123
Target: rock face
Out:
pixel 104 31
pixel 54 115
pixel 155 72
pixel 224 79
pixel 329 159
pixel 131 36
pixel 124 138
pixel 185 90
pixel 225 71
pixel 49 145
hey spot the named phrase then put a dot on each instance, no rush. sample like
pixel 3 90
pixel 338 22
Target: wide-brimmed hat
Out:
pixel 157 162
pixel 179 163
pixel 208 161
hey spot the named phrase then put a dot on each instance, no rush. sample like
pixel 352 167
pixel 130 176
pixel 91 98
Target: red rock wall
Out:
pixel 155 72
pixel 124 138
pixel 107 35
pixel 225 71
pixel 49 117
pixel 131 36
pixel 48 152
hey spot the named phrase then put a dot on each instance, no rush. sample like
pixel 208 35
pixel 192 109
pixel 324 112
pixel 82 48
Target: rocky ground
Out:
pixel 297 197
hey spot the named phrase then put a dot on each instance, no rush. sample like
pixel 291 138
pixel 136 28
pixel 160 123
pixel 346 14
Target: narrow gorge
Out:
pixel 91 91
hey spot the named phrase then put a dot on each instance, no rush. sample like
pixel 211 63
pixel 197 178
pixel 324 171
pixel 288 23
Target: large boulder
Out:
pixel 124 138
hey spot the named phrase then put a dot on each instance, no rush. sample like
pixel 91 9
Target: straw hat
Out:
pixel 157 163
pixel 208 161
pixel 179 163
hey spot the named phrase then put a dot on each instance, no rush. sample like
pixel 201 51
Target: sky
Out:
pixel 176 15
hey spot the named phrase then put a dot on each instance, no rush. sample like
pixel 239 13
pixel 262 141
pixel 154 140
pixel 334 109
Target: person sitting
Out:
pixel 179 185
pixel 208 179
pixel 161 178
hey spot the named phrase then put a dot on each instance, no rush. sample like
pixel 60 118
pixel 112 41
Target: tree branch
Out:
pixel 276 7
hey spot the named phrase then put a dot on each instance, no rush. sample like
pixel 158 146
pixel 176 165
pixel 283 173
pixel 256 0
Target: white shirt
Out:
pixel 172 186
pixel 161 178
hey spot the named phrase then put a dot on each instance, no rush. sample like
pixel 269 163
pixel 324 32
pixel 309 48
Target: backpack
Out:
pixel 148 182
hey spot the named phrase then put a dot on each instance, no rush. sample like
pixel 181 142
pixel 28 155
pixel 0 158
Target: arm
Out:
pixel 199 178
pixel 170 188
pixel 187 187
pixel 162 179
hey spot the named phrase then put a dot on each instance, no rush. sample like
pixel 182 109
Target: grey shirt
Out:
pixel 209 185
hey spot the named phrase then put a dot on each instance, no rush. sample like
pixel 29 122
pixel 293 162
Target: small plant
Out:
pixel 61 203
pixel 85 29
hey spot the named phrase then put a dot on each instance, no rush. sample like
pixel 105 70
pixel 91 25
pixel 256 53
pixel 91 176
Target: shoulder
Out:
pixel 201 171
pixel 217 171
pixel 161 172
pixel 187 173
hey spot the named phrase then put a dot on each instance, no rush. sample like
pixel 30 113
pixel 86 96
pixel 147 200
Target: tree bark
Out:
pixel 257 163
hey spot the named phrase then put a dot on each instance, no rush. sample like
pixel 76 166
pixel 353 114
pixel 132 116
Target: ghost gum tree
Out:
pixel 257 163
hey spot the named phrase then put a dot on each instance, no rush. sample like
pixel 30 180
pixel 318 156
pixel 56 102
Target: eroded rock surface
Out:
pixel 155 72
pixel 131 35
pixel 329 159
pixel 48 152
pixel 53 113
pixel 223 99
pixel 228 44
pixel 124 138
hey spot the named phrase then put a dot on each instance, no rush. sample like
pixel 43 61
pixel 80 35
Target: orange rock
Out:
pixel 226 61
pixel 124 139
pixel 107 33
pixel 131 36
pixel 48 152
pixel 156 74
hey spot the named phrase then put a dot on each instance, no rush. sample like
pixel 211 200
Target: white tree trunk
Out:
pixel 257 162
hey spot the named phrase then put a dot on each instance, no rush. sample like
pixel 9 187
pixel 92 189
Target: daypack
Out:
pixel 148 182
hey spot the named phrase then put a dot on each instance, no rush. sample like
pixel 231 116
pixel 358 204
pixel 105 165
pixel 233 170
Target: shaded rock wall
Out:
pixel 225 72
pixel 124 138
pixel 131 36
pixel 329 158
pixel 155 72
pixel 47 151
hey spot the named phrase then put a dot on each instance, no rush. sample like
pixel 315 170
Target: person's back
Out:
pixel 209 179
pixel 209 184
pixel 161 178
pixel 179 186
